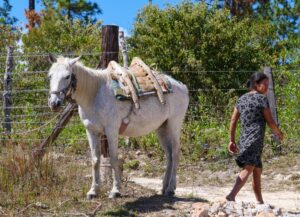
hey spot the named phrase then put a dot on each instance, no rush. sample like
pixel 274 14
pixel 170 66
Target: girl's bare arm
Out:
pixel 233 122
pixel 271 123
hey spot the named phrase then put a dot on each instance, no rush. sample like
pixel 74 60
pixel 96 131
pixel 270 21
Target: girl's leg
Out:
pixel 240 182
pixel 256 184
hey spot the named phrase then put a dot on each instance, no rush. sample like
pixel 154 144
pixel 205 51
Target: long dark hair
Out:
pixel 255 78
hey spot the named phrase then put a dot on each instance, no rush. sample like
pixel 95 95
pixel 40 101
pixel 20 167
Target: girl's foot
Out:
pixel 228 198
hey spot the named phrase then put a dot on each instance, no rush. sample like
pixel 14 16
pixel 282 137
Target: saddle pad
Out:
pixel 142 86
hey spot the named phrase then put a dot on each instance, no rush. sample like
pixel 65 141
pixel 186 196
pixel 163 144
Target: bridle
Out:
pixel 67 91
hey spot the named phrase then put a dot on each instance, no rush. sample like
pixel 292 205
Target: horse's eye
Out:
pixel 67 77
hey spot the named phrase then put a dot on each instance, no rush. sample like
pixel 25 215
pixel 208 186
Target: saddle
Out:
pixel 137 80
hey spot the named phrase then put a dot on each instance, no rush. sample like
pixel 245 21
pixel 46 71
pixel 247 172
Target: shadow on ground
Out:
pixel 157 203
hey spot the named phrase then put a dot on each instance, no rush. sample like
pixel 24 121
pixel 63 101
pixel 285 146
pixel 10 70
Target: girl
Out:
pixel 253 110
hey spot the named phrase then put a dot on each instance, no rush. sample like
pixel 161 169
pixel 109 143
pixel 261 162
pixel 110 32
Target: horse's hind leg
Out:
pixel 168 135
pixel 95 154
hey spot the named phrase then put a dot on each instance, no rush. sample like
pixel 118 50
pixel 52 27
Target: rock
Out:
pixel 200 213
pixel 263 208
pixel 247 212
pixel 169 212
pixel 215 207
pixel 138 153
pixel 182 205
pixel 277 211
pixel 222 201
pixel 200 205
pixel 279 177
pixel 265 214
pixel 41 205
pixel 229 207
pixel 221 214
pixel 288 177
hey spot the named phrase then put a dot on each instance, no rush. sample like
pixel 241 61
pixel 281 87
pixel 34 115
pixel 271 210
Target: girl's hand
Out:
pixel 279 135
pixel 232 148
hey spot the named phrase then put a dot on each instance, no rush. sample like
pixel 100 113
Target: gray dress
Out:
pixel 253 125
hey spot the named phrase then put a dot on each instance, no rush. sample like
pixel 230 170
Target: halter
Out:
pixel 67 91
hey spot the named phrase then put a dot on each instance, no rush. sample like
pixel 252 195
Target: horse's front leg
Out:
pixel 112 138
pixel 95 154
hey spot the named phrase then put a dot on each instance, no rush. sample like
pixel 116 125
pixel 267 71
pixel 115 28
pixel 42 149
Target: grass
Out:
pixel 57 185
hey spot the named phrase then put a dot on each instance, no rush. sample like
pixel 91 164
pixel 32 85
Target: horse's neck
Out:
pixel 88 83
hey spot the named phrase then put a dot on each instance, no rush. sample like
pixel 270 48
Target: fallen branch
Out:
pixel 96 209
pixel 54 208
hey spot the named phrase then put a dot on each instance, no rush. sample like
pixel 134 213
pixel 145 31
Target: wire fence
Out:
pixel 32 121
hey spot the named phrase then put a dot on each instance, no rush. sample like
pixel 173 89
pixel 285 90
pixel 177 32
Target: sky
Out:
pixel 114 12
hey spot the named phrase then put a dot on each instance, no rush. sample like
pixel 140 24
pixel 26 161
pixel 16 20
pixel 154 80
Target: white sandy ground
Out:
pixel 286 200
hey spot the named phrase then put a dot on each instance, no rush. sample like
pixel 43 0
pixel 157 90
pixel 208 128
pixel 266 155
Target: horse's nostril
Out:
pixel 58 103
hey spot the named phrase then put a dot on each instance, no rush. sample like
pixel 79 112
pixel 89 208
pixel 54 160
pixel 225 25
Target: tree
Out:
pixel 8 33
pixel 75 9
pixel 283 15
pixel 194 38
pixel 56 35
pixel 31 5
pixel 5 18
pixel 33 18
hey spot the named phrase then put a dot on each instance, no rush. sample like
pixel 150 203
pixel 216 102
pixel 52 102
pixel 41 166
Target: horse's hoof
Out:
pixel 90 196
pixel 169 193
pixel 113 195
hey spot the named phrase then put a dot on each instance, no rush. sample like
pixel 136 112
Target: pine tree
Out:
pixel 5 18
pixel 75 9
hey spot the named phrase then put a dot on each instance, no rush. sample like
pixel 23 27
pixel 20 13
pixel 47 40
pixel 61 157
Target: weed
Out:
pixel 132 165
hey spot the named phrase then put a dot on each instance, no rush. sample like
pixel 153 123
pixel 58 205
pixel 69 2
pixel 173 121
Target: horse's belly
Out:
pixel 144 125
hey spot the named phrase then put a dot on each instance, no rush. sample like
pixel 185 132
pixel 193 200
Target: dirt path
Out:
pixel 286 200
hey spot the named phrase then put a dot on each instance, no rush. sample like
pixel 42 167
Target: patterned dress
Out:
pixel 253 125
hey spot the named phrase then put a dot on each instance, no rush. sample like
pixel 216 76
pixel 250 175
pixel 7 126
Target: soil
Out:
pixel 201 182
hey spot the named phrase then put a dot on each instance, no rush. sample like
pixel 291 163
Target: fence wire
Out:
pixel 32 120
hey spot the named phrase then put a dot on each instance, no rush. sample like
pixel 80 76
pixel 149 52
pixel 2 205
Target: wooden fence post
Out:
pixel 110 51
pixel 7 100
pixel 272 102
pixel 110 45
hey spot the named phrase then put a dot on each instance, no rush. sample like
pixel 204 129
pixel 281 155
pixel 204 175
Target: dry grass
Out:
pixel 57 185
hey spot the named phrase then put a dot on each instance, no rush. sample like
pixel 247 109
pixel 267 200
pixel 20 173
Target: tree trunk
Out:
pixel 31 5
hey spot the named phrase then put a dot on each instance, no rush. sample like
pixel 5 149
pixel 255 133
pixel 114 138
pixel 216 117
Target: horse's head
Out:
pixel 62 81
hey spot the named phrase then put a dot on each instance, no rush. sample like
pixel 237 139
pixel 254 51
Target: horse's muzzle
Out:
pixel 55 106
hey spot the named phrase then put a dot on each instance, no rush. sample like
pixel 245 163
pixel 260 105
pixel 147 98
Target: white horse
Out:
pixel 102 114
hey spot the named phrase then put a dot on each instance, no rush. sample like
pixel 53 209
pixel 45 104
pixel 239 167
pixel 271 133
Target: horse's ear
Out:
pixel 52 58
pixel 73 61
